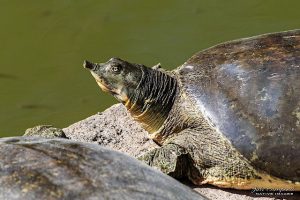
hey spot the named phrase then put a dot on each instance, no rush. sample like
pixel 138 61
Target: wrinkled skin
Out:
pixel 35 168
pixel 234 115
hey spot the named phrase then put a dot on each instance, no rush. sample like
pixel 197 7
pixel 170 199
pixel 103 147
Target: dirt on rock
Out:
pixel 115 128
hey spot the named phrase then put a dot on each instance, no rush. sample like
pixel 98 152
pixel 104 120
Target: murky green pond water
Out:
pixel 43 45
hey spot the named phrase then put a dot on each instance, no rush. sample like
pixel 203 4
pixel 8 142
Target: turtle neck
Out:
pixel 153 99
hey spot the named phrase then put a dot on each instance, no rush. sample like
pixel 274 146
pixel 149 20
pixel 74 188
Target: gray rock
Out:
pixel 113 128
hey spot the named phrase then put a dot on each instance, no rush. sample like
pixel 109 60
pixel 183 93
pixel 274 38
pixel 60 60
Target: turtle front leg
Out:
pixel 171 159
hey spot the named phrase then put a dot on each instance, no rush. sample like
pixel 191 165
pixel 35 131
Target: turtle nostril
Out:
pixel 88 65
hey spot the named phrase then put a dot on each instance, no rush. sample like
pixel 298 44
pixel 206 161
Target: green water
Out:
pixel 43 45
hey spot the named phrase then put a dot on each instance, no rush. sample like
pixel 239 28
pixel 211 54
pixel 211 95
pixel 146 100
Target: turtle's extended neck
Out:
pixel 153 99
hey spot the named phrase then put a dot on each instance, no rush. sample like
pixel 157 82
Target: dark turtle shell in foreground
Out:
pixel 35 168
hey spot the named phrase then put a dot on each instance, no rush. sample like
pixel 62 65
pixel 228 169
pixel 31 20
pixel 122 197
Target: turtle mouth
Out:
pixel 115 92
pixel 103 86
pixel 101 82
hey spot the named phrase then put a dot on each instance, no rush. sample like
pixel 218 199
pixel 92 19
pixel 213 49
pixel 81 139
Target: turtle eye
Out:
pixel 116 68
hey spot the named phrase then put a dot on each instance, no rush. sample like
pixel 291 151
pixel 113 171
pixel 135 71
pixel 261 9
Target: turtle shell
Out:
pixel 249 90
pixel 35 168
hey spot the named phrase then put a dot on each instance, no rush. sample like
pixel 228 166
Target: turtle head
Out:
pixel 148 94
pixel 116 76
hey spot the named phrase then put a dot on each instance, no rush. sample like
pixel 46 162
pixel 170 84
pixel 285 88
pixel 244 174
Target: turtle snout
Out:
pixel 89 65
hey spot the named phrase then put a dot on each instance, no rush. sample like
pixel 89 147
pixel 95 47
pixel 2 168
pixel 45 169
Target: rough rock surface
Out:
pixel 113 128
pixel 116 129
pixel 45 131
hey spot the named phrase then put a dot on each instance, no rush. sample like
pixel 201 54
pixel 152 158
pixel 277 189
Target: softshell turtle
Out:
pixel 229 116
pixel 36 168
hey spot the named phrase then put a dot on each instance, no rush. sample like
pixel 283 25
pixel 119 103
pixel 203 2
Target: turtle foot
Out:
pixel 170 159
